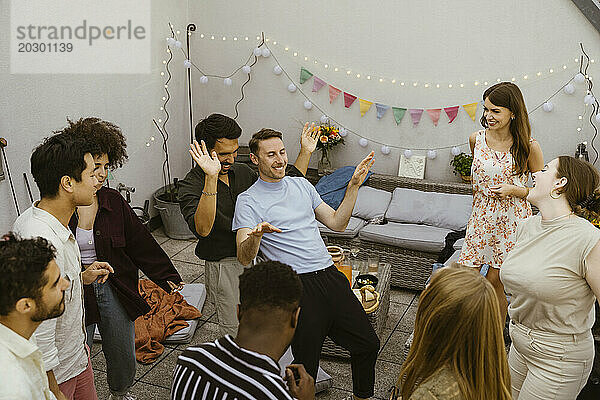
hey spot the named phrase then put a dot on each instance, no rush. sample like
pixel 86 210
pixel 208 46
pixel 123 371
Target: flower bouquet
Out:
pixel 329 137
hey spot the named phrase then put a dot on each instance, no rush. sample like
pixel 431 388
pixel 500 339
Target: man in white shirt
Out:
pixel 32 291
pixel 63 169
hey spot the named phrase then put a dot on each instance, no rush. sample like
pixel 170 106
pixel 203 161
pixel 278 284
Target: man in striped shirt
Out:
pixel 245 367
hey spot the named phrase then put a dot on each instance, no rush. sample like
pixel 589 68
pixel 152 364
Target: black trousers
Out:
pixel 330 308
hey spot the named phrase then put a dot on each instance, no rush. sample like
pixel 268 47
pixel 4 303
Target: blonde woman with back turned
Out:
pixel 458 349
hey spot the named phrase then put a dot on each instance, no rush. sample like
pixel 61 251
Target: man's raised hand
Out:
pixel 210 164
pixel 362 169
pixel 262 228
pixel 310 137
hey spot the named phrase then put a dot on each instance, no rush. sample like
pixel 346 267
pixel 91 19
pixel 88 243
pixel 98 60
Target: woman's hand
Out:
pixel 502 191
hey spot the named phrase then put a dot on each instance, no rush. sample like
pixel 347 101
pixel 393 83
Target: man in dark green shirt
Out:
pixel 207 199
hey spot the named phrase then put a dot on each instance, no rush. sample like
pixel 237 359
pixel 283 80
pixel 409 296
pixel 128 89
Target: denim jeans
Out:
pixel 118 339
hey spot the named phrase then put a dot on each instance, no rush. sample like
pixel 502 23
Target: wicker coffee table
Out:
pixel 377 317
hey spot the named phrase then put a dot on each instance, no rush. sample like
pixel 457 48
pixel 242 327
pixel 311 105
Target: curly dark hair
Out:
pixel 23 264
pixel 104 134
pixel 59 155
pixel 270 284
pixel 215 127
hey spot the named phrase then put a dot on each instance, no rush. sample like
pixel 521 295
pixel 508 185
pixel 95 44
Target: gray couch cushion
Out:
pixel 371 203
pixel 425 238
pixel 444 210
pixel 351 231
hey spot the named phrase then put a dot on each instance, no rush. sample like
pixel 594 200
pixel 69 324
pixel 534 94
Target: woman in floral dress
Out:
pixel 504 154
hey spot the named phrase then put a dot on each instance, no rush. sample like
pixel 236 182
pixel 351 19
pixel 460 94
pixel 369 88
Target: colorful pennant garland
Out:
pixel 304 75
pixel 434 114
pixel 333 93
pixel 348 99
pixel 398 114
pixel 365 105
pixel 415 115
pixel 381 109
pixel 451 112
pixel 471 109
pixel 318 83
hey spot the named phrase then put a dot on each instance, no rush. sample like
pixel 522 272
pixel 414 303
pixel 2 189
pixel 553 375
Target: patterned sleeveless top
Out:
pixel 491 229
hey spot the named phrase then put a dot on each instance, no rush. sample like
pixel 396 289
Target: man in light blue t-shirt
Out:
pixel 278 216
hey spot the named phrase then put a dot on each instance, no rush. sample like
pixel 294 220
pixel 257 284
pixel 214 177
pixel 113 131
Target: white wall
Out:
pixel 33 106
pixel 424 41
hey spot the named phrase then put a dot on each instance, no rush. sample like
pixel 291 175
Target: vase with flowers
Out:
pixel 329 137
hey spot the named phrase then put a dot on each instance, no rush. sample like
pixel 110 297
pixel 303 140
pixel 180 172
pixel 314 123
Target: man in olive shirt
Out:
pixel 207 199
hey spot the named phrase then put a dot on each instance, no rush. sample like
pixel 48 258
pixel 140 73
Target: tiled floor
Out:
pixel 153 381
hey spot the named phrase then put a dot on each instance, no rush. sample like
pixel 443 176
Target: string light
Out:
pixel 382 79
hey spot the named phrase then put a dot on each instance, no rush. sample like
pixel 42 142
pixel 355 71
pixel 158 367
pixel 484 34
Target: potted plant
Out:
pixel 165 198
pixel 329 138
pixel 462 166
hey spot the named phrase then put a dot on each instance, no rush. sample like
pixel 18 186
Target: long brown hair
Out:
pixel 508 95
pixel 458 326
pixel 581 189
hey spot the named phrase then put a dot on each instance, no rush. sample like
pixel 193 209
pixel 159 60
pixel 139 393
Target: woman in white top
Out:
pixel 553 278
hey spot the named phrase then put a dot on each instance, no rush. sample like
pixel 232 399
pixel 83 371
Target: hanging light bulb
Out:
pixel 569 88
pixel 257 52
pixel 363 142
pixel 579 78
pixel 187 64
pixel 431 154
pixel 291 88
pixel 204 79
pixel 277 70
pixel 385 150
pixel 170 41
pixel 455 150
pixel 343 132
pixel 227 81
pixel 178 44
pixel 548 106
pixel 324 119
pixel 408 153
pixel 246 69
pixel 266 52
pixel 589 99
pixel 307 104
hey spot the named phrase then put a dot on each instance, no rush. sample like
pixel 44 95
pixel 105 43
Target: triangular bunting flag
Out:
pixel 381 109
pixel 452 112
pixel 333 93
pixel 318 83
pixel 415 115
pixel 434 114
pixel 471 109
pixel 364 106
pixel 304 74
pixel 398 114
pixel 348 99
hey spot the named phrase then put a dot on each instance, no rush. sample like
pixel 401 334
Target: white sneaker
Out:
pixel 126 396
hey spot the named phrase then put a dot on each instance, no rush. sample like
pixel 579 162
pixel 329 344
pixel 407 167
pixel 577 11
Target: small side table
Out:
pixel 377 317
